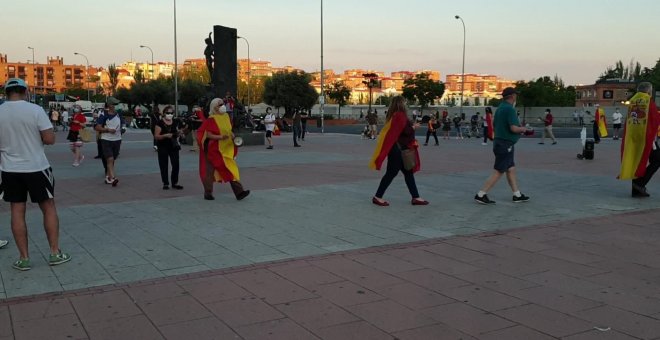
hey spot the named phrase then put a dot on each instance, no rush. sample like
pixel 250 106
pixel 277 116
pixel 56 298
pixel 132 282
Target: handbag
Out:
pixel 85 135
pixel 409 158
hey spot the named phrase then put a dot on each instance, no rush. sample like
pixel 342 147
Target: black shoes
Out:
pixel 243 195
pixel 483 199
pixel 639 191
pixel 166 187
pixel 296 146
pixel 209 197
pixel 520 199
pixel 177 187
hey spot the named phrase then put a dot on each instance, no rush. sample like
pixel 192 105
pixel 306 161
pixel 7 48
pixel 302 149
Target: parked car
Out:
pixel 89 117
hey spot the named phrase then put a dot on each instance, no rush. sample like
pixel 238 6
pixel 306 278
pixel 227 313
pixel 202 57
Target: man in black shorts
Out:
pixel 507 132
pixel 110 126
pixel 24 130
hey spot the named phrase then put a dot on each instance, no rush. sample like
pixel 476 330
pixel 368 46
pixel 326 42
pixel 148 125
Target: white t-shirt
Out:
pixel 21 147
pixel 269 121
pixel 616 118
pixel 65 116
pixel 110 122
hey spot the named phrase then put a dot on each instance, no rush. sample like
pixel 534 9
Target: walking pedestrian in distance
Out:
pixel 488 126
pixel 457 125
pixel 431 128
pixel 77 123
pixel 110 125
pixel 547 123
pixel 397 137
pixel 303 123
pixel 296 127
pixel 372 120
pixel 167 139
pixel 24 130
pixel 269 122
pixel 616 123
pixel 507 132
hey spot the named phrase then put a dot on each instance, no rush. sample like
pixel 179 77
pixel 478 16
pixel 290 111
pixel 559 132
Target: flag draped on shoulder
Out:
pixel 389 136
pixel 639 133
pixel 220 153
pixel 602 122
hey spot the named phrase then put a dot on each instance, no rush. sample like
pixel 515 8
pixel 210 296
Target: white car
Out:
pixel 89 117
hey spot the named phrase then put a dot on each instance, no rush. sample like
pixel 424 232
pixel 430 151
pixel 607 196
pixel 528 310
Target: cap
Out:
pixel 15 82
pixel 508 92
pixel 112 101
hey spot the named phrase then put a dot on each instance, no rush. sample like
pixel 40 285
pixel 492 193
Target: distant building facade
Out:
pixel 610 92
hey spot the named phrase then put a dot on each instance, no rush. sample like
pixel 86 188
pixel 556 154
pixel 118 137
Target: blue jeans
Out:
pixel 296 134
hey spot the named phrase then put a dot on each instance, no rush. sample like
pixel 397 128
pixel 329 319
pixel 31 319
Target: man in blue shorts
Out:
pixel 507 132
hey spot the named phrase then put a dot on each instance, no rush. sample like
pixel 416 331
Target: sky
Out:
pixel 515 39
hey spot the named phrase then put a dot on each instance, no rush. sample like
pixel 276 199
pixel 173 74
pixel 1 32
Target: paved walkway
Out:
pixel 578 262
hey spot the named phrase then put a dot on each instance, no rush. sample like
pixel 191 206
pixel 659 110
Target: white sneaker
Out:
pixel 3 243
pixel 76 164
pixel 82 158
pixel 108 180
pixel 484 143
pixel 155 148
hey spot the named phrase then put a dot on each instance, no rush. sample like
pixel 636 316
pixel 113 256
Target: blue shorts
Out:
pixel 503 150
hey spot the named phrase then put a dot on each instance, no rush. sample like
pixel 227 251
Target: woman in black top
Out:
pixel 166 133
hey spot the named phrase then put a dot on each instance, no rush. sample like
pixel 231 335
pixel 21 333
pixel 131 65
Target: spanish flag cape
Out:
pixel 220 153
pixel 388 136
pixel 601 120
pixel 639 133
pixel 489 120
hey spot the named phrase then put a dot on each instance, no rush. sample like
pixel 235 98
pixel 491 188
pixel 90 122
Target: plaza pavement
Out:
pixel 308 256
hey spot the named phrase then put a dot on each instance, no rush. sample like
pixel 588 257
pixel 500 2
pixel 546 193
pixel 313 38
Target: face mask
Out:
pixel 222 109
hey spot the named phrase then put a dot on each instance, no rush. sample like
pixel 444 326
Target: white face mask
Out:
pixel 222 109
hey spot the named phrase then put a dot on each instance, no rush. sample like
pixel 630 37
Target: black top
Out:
pixel 407 136
pixel 167 143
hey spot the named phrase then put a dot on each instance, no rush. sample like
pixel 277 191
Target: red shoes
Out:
pixel 380 203
pixel 419 201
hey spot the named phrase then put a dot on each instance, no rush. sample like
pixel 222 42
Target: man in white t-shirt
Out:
pixel 24 129
pixel 65 120
pixel 269 121
pixel 616 123
pixel 110 126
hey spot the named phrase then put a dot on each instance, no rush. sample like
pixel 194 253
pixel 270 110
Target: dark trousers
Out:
pixel 209 180
pixel 596 134
pixel 394 165
pixel 485 134
pixel 99 152
pixel 304 129
pixel 296 133
pixel 430 133
pixel 171 155
pixel 654 165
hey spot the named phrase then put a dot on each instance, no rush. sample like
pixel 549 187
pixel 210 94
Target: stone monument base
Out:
pixel 252 138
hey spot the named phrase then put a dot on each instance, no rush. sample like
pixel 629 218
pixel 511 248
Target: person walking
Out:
pixel 397 138
pixel 217 157
pixel 55 119
pixel 65 120
pixel 110 126
pixel 547 122
pixel 372 120
pixel 431 129
pixel 581 118
pixel 616 123
pixel 507 132
pixel 303 123
pixel 488 126
pixel 196 120
pixel 457 125
pixel 640 149
pixel 24 130
pixel 446 125
pixel 296 127
pixel 269 122
pixel 167 139
pixel 78 122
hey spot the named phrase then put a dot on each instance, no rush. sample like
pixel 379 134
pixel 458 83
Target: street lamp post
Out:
pixel 152 60
pixel 86 82
pixel 249 72
pixel 34 72
pixel 176 74
pixel 322 98
pixel 463 68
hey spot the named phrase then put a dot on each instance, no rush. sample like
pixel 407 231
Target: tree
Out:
pixel 545 91
pixel 422 89
pixel 190 91
pixel 290 90
pixel 256 90
pixel 494 102
pixel 339 94
pixel 113 73
pixel 477 101
pixel 76 90
pixel 652 75
pixel 139 76
pixel 631 72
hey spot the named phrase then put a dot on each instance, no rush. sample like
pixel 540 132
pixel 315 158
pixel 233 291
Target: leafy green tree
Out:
pixel 139 76
pixel 290 90
pixel 162 90
pixel 113 73
pixel 545 91
pixel 477 101
pixel 257 85
pixel 652 75
pixel 423 90
pixel 630 72
pixel 76 90
pixel 494 102
pixel 385 100
pixel 339 94
pixel 190 91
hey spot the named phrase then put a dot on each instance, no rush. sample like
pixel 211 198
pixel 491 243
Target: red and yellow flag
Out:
pixel 640 131
pixel 491 132
pixel 388 136
pixel 601 119
pixel 220 153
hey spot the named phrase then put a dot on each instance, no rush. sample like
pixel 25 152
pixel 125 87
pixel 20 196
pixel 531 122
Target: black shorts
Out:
pixel 15 186
pixel 503 150
pixel 72 136
pixel 617 126
pixel 110 148
pixel 269 133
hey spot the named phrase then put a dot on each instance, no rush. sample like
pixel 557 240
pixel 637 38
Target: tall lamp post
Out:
pixel 249 72
pixel 152 60
pixel 463 68
pixel 87 80
pixel 176 73
pixel 34 71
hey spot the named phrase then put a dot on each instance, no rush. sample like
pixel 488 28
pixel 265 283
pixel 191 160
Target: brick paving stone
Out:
pixel 390 316
pixel 152 292
pixel 385 262
pixel 555 299
pixel 306 276
pixel 581 257
pixel 58 327
pixel 282 329
pixel 5 323
pixel 359 330
pixel 432 332
pixel 212 289
pixel 599 335
pixel 200 329
pixel 270 286
pixel 432 279
pixel 40 309
pixel 467 319
pixel 496 281
pixel 244 311
pixel 483 298
pixel 347 293
pixel 433 261
pixel 414 296
pixel 620 298
pixel 173 310
pixel 135 327
pixel 315 314
pixel 356 272
pixel 455 252
pixel 643 287
pixel 623 321
pixel 546 320
pixel 104 306
pixel 519 243
pixel 515 333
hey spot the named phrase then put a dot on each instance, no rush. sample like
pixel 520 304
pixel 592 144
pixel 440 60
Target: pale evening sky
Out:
pixel 515 39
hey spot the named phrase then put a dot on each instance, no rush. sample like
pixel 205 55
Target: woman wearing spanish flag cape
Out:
pixel 397 136
pixel 217 157
pixel 640 145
